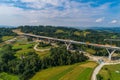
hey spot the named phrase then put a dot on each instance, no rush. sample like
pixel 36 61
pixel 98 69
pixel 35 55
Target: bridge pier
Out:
pixel 46 40
pixel 67 45
pixel 110 53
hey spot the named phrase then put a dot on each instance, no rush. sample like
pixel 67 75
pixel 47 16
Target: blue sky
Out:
pixel 85 13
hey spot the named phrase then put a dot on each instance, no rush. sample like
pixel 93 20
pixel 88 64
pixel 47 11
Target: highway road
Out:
pixel 73 42
pixel 98 68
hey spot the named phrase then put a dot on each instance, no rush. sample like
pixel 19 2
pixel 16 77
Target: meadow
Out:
pixel 4 38
pixel 79 71
pixel 110 72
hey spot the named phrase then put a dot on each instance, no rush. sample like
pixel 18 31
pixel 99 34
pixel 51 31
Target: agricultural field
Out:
pixel 59 31
pixel 77 33
pixel 43 53
pixel 5 38
pixel 91 51
pixel 71 72
pixel 110 72
pixel 24 47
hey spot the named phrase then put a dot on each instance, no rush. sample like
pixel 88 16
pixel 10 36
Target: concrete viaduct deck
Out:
pixel 69 42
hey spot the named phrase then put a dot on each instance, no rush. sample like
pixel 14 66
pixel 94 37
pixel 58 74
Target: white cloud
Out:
pixel 74 14
pixel 29 0
pixel 33 21
pixel 114 21
pixel 99 19
pixel 9 10
pixel 38 4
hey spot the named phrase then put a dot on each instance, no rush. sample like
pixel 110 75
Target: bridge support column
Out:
pixel 67 45
pixel 110 53
pixel 37 38
pixel 49 41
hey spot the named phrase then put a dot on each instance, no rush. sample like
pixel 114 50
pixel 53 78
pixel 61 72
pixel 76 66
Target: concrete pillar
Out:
pixel 37 38
pixel 49 41
pixel 67 45
pixel 110 54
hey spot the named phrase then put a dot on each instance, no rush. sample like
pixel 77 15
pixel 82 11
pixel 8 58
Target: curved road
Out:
pixel 41 50
pixel 98 68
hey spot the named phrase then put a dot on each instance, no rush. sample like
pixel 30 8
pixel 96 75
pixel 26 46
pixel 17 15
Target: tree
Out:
pixel 99 77
pixel 7 53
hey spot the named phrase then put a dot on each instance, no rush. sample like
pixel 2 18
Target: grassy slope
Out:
pixel 4 38
pixel 5 76
pixel 43 53
pixel 27 47
pixel 109 72
pixel 23 46
pixel 71 72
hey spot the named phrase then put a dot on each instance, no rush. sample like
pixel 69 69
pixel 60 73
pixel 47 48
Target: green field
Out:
pixel 43 53
pixel 26 47
pixel 5 76
pixel 71 72
pixel 4 38
pixel 59 31
pixel 111 72
pixel 77 33
pixel 91 51
pixel 23 46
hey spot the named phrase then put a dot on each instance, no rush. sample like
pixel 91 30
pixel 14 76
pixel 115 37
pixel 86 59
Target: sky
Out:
pixel 75 13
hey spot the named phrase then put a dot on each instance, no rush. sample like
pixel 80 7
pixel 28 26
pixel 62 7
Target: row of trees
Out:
pixel 29 64
pixel 69 33
pixel 88 36
pixel 6 32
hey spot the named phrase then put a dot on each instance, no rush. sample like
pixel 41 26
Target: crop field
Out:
pixel 25 47
pixel 43 53
pixel 79 71
pixel 4 38
pixel 110 72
